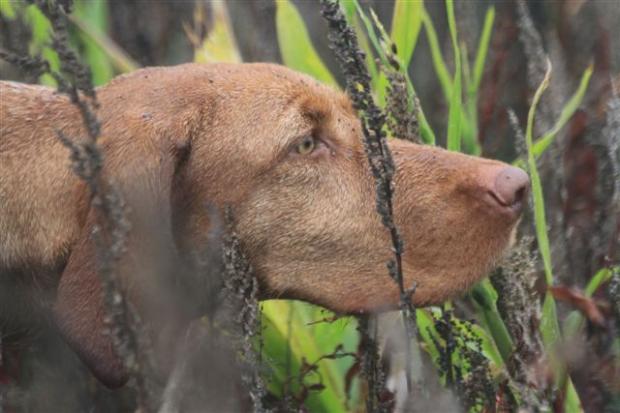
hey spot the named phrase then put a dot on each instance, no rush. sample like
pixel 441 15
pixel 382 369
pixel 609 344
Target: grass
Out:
pixel 549 327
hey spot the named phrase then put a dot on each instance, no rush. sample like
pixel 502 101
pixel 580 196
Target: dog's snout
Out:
pixel 510 187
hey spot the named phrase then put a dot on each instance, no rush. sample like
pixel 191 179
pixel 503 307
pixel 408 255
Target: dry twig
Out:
pixel 343 41
pixel 242 289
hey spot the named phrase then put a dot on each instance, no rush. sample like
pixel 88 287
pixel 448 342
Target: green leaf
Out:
pixel 295 45
pixel 549 327
pixel 483 48
pixel 40 41
pixel 537 192
pixel 540 146
pixel 350 10
pixel 220 44
pixel 601 277
pixel 372 35
pixel 349 7
pixel 426 329
pixel 406 24
pixel 6 9
pixel 428 136
pixel 472 85
pixel 567 112
pixel 484 298
pixel 93 15
pixel 121 61
pixel 454 114
pixel 489 347
pixel 439 64
pixel 292 334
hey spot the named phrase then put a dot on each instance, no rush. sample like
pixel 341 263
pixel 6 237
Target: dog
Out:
pixel 283 151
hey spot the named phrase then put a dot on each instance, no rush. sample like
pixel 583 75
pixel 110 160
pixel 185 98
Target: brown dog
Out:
pixel 283 150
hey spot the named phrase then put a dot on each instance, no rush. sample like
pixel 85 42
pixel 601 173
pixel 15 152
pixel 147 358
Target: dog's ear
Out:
pixel 142 172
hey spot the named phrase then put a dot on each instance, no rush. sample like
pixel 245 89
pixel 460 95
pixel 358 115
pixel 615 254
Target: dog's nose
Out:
pixel 510 188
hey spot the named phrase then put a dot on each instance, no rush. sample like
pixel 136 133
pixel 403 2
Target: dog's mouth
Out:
pixel 512 210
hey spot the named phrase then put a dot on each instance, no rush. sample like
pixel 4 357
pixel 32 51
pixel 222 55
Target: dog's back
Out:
pixel 38 192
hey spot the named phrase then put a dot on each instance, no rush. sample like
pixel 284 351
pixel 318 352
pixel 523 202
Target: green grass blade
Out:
pixel 454 115
pixel 372 35
pixel 220 45
pixel 537 193
pixel 350 8
pixel 438 63
pixel 293 322
pixel 6 9
pixel 549 327
pixel 489 347
pixel 296 48
pixel 94 16
pixel 600 278
pixel 540 146
pixel 406 24
pixel 567 112
pixel 385 44
pixel 428 136
pixel 121 61
pixel 41 38
pixel 426 329
pixel 483 48
pixel 484 298
pixel 465 66
pixel 473 78
pixel 469 112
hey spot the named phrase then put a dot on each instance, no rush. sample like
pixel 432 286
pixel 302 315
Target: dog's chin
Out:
pixel 464 282
pixel 504 252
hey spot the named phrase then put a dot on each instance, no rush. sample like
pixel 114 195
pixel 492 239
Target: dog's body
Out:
pixel 282 150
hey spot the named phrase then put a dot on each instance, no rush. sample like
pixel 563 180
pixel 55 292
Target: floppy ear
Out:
pixel 79 311
pixel 143 175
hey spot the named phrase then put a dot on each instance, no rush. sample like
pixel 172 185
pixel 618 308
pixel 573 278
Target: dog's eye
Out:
pixel 306 145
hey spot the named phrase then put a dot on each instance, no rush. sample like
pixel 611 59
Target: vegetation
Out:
pixel 312 358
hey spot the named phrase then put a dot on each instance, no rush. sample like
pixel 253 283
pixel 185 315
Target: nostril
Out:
pixel 511 186
pixel 520 194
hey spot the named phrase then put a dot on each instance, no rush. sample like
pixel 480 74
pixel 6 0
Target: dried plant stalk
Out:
pixel 520 309
pixel 343 41
pixel 242 290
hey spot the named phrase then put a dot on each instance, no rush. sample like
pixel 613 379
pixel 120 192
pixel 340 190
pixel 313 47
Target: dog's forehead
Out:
pixel 318 106
pixel 284 104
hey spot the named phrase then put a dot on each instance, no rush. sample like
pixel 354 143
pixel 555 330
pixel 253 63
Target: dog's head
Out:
pixel 286 153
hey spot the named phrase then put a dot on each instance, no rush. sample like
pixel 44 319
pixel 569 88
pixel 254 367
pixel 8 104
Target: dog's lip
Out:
pixel 511 210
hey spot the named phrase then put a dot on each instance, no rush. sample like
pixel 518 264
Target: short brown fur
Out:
pixel 307 222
